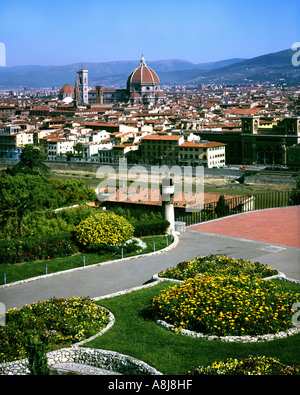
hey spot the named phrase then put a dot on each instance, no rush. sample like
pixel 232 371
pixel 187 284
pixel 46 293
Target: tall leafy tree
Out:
pixel 222 209
pixel 31 162
pixel 295 195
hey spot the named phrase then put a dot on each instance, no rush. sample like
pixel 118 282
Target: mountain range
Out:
pixel 274 67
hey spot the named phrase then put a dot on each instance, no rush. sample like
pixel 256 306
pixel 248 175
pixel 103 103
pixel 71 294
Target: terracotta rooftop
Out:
pixel 153 197
pixel 155 137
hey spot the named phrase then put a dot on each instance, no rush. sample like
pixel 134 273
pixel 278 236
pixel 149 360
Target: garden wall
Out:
pixel 103 359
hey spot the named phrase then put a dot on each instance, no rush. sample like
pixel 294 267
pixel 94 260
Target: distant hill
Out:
pixel 106 73
pixel 273 67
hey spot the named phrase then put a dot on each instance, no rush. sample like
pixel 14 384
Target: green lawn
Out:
pixel 22 271
pixel 136 334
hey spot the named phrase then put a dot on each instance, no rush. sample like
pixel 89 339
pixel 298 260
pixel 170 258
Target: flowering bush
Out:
pixel 37 248
pixel 104 228
pixel 217 264
pixel 226 306
pixel 252 365
pixel 55 322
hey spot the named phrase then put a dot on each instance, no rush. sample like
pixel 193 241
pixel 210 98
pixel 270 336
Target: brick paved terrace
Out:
pixel 277 226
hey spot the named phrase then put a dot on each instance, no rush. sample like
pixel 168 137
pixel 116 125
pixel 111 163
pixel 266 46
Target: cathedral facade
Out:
pixel 143 87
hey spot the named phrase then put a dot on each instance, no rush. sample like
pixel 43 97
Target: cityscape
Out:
pixel 149 211
pixel 210 126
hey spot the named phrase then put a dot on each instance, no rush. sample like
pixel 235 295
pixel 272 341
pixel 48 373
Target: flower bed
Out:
pixel 37 248
pixel 226 306
pixel 213 264
pixel 252 365
pixel 55 322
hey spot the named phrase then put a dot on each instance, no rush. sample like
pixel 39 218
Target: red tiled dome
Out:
pixel 143 75
pixel 66 89
pixel 135 95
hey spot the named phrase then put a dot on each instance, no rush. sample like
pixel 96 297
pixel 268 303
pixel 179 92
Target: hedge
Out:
pixel 150 227
pixel 37 248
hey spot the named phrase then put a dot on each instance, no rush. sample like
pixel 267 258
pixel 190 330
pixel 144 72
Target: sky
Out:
pixel 61 32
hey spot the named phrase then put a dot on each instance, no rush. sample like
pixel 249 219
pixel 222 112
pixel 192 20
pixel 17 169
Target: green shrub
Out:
pixel 150 227
pixel 73 191
pixel 37 359
pixel 104 228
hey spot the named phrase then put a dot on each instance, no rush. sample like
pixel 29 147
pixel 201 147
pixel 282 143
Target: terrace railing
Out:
pixel 239 204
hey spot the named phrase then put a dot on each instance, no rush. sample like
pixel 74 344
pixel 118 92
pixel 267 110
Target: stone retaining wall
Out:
pixel 103 359
pixel 273 179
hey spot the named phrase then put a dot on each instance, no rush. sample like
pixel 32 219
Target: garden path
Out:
pixel 197 240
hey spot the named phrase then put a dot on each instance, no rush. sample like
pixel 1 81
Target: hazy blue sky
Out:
pixel 59 32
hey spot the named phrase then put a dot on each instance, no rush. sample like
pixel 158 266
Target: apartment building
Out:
pixel 12 140
pixel 202 153
pixel 59 146
pixel 174 150
pixel 159 150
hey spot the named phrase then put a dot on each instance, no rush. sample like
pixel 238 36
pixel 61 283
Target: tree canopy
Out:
pixel 25 195
pixel 31 162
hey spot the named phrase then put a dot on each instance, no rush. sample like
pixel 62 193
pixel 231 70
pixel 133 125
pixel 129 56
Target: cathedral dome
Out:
pixel 143 75
pixel 66 89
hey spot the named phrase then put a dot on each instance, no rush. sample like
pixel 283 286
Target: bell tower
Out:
pixel 82 80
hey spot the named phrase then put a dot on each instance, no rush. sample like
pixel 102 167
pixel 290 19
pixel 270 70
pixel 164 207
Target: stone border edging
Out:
pixel 124 364
pixel 233 339
pixel 166 249
pixel 241 339
pixel 86 357
pixel 118 361
pixel 89 358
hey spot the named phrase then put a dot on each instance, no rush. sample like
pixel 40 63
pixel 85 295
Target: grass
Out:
pixel 22 271
pixel 229 187
pixel 220 186
pixel 136 334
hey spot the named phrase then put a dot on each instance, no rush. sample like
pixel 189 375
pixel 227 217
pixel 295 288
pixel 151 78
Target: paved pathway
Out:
pixel 276 226
pixel 121 275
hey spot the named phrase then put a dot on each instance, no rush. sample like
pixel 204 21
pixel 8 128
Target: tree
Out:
pixel 295 195
pixel 22 195
pixel 222 209
pixel 31 162
pixel 17 209
pixel 78 148
pixel 73 190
